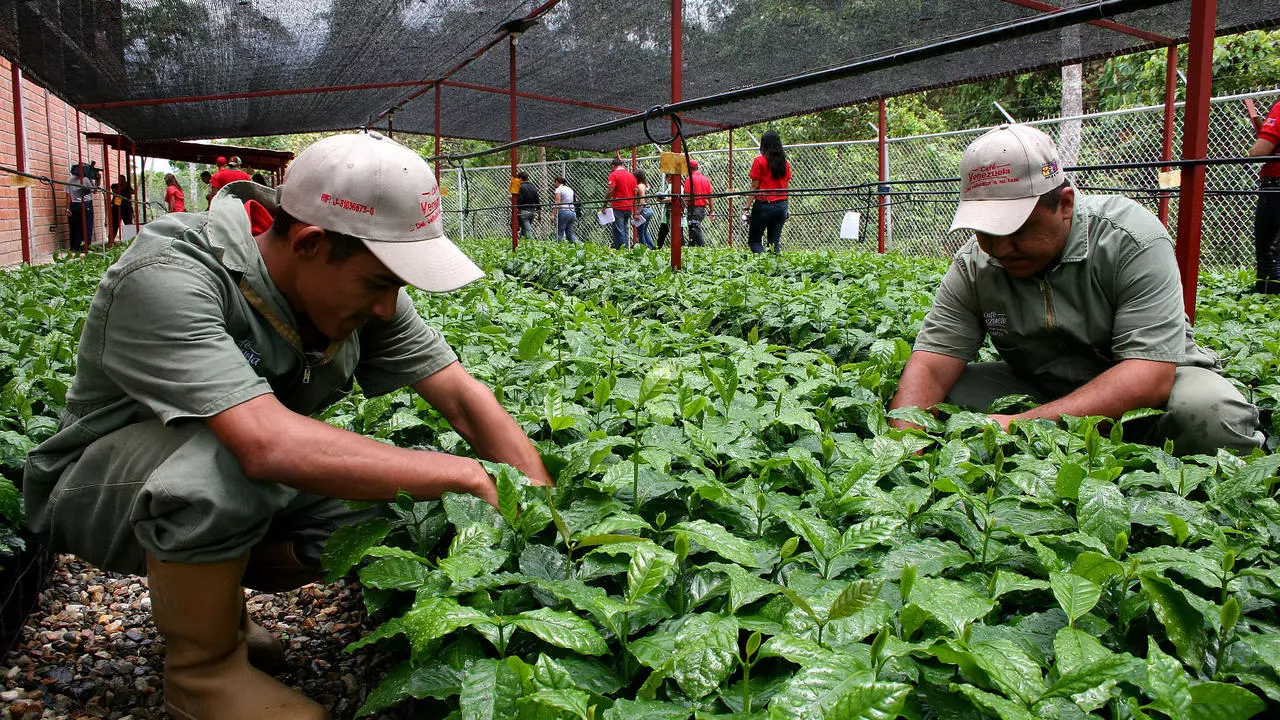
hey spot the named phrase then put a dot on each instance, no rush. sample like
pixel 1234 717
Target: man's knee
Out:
pixel 1205 412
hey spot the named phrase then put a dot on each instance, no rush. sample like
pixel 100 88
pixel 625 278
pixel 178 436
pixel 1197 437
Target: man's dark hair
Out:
pixel 1052 199
pixel 341 247
pixel 617 162
pixel 522 175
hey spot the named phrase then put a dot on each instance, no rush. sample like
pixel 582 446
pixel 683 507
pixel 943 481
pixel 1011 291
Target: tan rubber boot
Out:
pixel 264 649
pixel 199 608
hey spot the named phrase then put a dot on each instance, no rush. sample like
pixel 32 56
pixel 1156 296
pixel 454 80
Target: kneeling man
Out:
pixel 1082 300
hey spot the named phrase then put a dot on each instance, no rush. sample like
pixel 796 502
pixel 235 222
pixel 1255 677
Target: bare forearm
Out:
pixel 925 382
pixel 1127 386
pixel 324 460
pixel 495 436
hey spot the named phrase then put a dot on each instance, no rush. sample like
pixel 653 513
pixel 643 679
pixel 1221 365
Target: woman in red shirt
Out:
pixel 173 196
pixel 770 176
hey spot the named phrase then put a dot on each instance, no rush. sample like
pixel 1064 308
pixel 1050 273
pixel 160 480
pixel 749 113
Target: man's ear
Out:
pixel 306 240
pixel 1067 205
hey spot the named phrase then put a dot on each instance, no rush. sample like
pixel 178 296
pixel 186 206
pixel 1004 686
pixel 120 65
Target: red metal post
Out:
pixel 20 151
pixel 515 152
pixel 108 200
pixel 677 85
pixel 728 185
pixel 1195 143
pixel 80 159
pixel 883 152
pixel 1170 99
pixel 142 170
pixel 437 153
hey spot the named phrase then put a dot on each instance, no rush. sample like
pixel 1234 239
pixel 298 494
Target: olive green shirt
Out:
pixel 1115 294
pixel 188 323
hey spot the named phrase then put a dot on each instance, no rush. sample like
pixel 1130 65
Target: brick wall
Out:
pixel 51 144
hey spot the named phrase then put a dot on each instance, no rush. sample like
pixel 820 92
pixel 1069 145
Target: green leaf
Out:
pixel 646 710
pixel 718 540
pixel 1221 701
pixel 562 629
pixel 1183 622
pixel 952 603
pixel 800 651
pixel 1167 683
pixel 349 543
pixel 394 574
pixel 1007 582
pixel 575 702
pixel 649 568
pixel 1102 512
pixel 509 496
pixel 1075 594
pixel 1070 476
pixel 655 383
pixel 392 689
pixel 1087 677
pixel 1005 709
pixel 428 619
pixel 1011 668
pixel 1074 649
pixel 834 686
pixel 491 691
pixel 744 587
pixel 531 342
pixel 853 599
pixel 472 553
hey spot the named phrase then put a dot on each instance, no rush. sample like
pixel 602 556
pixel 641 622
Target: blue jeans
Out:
pixel 564 225
pixel 621 228
pixel 645 237
pixel 526 223
pixel 766 216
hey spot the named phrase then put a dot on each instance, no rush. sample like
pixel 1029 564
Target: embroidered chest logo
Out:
pixel 250 353
pixel 997 323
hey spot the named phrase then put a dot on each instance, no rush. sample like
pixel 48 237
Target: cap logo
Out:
pixel 990 174
pixel 1049 169
pixel 430 208
pixel 344 204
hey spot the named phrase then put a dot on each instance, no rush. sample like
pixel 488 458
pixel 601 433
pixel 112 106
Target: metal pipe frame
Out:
pixel 565 101
pixel 1107 24
pixel 732 216
pixel 883 152
pixel 20 152
pixel 1021 28
pixel 1170 98
pixel 515 150
pixel 437 163
pixel 1195 143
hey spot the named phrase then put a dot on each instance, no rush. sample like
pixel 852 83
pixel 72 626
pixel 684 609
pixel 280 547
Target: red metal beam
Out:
pixel 882 150
pixel 1195 144
pixel 515 152
pixel 1107 24
pixel 249 95
pixel 107 200
pixel 20 161
pixel 505 34
pixel 574 103
pixel 677 85
pixel 1170 98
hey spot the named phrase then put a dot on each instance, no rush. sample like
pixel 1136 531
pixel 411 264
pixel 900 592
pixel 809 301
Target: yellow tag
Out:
pixel 515 186
pixel 1170 178
pixel 444 191
pixel 22 181
pixel 672 164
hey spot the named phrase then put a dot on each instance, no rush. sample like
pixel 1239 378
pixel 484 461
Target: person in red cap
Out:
pixel 1081 297
pixel 188 449
pixel 1266 220
pixel 701 206
pixel 229 174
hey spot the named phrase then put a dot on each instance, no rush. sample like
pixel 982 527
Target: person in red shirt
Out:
pixel 1266 222
pixel 173 196
pixel 622 198
pixel 767 204
pixel 229 174
pixel 701 207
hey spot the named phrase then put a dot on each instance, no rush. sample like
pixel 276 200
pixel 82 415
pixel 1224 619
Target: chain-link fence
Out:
pixel 832 179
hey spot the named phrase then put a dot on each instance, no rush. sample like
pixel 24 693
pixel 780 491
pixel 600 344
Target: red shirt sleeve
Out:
pixel 758 168
pixel 1270 129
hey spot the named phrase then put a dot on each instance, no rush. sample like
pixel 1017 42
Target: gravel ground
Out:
pixel 90 650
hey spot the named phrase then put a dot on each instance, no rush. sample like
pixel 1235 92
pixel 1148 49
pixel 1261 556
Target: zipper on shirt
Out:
pixel 306 373
pixel 1048 302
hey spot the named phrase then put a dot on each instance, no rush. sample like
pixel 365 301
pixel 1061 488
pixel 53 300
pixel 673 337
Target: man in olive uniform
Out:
pixel 186 451
pixel 1082 300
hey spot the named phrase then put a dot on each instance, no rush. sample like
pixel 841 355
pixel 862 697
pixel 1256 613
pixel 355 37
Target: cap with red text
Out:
pixel 369 186
pixel 1002 176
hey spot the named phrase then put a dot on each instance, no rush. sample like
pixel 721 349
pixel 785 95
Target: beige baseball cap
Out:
pixel 369 186
pixel 1002 175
